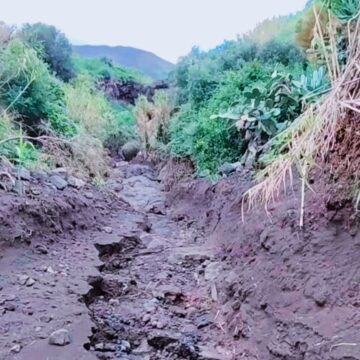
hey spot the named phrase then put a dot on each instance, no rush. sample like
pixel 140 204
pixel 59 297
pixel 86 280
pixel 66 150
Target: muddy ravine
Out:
pixel 140 286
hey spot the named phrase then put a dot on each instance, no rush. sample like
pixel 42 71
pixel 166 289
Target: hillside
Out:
pixel 143 61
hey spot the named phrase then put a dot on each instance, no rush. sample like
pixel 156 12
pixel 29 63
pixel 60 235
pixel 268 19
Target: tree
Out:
pixel 52 46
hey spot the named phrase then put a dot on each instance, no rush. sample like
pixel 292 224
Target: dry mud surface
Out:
pixel 134 272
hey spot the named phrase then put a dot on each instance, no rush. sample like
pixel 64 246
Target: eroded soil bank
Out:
pixel 156 266
pixel 116 278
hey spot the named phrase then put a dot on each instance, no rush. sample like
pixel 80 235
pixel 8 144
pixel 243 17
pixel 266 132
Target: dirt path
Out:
pixel 141 287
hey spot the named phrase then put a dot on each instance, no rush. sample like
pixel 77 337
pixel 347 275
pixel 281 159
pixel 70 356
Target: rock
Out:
pixel 143 348
pixel 107 229
pixel 130 150
pixel 345 351
pixel 161 339
pixel 188 348
pixel 35 191
pixel 146 318
pixel 41 249
pixel 58 182
pixel 151 305
pixel 228 168
pixel 89 195
pixel 99 347
pixel 60 338
pixel 203 321
pixel 22 279
pixel 46 319
pixel 59 171
pixel 50 270
pixel 9 307
pixel 110 347
pixel 124 346
pixel 30 282
pixel 39 175
pixel 22 174
pixel 114 302
pixel 75 182
pixel 212 354
pixel 171 291
pixel 16 349
pixel 213 270
pixel 19 187
pixel 318 291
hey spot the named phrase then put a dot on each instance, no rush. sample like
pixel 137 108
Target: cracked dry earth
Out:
pixel 139 288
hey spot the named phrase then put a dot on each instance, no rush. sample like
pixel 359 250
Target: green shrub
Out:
pixel 93 113
pixel 99 69
pixel 52 46
pixel 28 89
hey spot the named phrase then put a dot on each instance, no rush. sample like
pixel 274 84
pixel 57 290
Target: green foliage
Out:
pixel 281 28
pixel 52 46
pixel 275 52
pixel 94 115
pixel 28 89
pixel 27 155
pixel 264 111
pixel 104 69
pixel 236 97
pixel 18 150
pixel 344 10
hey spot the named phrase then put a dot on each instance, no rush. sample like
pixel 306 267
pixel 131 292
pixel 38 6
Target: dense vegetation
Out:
pixel 232 104
pixel 232 100
pixel 51 111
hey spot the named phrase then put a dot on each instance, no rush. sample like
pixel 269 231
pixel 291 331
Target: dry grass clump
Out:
pixel 153 117
pixel 84 156
pixel 313 135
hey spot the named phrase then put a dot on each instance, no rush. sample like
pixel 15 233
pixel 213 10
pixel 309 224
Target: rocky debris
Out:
pixel 130 150
pixel 39 175
pixel 16 349
pixel 172 292
pixel 19 187
pixel 60 338
pixel 209 353
pixel 26 280
pixel 143 348
pixel 213 270
pixel 128 91
pixel 41 249
pixel 75 182
pixel 107 229
pixel 161 339
pixel 124 346
pixel 9 306
pixel 228 168
pixel 22 174
pixel 58 182
pixel 151 305
pixel 203 321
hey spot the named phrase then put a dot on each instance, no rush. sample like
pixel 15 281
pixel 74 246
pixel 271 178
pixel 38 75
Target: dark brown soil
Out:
pixel 291 293
pixel 134 272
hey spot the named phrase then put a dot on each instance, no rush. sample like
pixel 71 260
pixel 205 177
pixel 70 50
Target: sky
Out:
pixel 168 28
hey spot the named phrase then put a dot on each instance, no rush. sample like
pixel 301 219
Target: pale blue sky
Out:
pixel 168 28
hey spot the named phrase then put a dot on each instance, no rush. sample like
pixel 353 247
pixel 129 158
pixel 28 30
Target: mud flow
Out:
pixel 134 272
pixel 150 300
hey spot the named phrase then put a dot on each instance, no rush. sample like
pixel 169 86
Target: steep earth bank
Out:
pixel 290 293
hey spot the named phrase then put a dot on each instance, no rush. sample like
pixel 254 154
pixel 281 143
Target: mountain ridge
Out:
pixel 144 61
